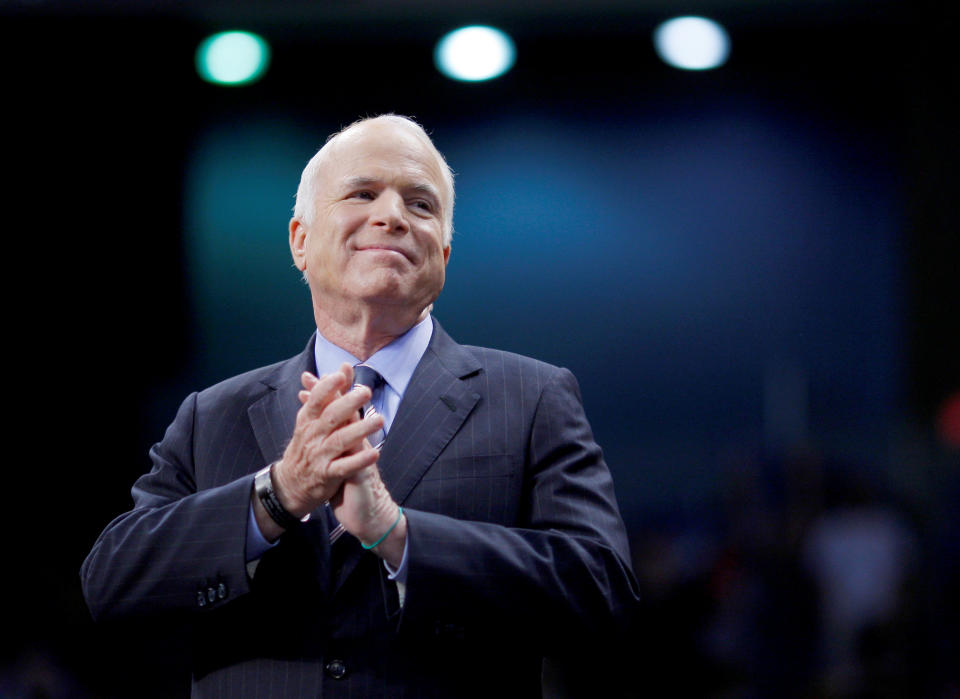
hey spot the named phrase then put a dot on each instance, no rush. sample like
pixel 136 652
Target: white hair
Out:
pixel 307 189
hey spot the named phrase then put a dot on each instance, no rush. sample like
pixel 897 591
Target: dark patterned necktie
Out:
pixel 365 376
pixel 362 376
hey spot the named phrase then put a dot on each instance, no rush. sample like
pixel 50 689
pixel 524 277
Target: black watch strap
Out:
pixel 263 485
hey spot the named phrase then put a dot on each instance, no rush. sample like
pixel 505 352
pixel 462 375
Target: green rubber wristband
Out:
pixel 385 534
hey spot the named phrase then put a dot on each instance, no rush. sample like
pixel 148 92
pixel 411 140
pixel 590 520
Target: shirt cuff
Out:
pixel 257 545
pixel 399 574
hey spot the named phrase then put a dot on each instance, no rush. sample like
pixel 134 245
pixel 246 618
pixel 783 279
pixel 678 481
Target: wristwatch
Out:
pixel 263 485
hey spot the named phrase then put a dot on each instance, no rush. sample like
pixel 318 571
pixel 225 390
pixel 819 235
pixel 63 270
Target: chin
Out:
pixel 388 286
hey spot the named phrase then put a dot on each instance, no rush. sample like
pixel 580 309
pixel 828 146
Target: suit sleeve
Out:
pixel 562 572
pixel 179 548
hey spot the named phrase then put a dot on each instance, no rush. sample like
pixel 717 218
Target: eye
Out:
pixel 423 205
pixel 363 194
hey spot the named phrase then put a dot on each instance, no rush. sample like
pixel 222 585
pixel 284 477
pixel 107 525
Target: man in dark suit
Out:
pixel 388 513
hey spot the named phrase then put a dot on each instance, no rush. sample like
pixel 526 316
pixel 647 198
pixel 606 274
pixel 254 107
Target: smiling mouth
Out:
pixel 384 248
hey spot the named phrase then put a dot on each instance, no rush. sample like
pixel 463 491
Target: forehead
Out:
pixel 382 152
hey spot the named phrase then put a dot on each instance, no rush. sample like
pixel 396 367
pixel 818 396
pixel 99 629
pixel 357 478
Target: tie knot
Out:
pixel 366 376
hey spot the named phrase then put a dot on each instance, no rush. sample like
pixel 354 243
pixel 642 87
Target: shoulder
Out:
pixel 516 375
pixel 253 382
pixel 502 361
pixel 496 367
pixel 251 385
pixel 464 360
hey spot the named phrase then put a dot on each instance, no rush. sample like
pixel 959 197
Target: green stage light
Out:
pixel 232 58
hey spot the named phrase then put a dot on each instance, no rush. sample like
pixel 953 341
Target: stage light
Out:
pixel 474 53
pixel 692 43
pixel 232 58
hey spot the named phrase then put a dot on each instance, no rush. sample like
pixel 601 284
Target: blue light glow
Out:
pixel 692 43
pixel 474 53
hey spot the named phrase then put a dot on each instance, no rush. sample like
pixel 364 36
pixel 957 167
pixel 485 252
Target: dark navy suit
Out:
pixel 516 547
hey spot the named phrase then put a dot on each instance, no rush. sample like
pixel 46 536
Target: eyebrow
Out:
pixel 364 181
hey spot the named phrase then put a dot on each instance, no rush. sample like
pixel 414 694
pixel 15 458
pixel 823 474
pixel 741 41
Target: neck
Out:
pixel 365 331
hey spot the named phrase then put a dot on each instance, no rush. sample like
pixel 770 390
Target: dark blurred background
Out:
pixel 753 272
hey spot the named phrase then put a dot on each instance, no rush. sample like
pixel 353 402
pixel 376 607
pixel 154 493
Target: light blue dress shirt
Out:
pixel 395 363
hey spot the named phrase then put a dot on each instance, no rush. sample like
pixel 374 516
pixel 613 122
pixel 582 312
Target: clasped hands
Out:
pixel 330 459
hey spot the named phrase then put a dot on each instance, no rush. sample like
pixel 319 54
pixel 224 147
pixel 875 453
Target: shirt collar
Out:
pixel 395 363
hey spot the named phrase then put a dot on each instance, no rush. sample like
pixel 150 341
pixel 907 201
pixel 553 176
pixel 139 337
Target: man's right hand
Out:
pixel 327 446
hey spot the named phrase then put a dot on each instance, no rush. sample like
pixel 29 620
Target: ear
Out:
pixel 446 255
pixel 298 243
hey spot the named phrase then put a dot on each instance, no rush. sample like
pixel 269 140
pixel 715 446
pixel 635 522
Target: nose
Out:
pixel 389 213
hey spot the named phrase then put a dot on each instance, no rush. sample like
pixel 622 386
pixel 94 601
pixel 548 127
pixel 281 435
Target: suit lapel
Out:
pixel 434 407
pixel 274 415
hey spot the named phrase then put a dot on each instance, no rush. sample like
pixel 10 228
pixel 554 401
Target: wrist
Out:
pixel 386 532
pixel 269 499
pixel 284 492
pixel 392 540
pixel 269 529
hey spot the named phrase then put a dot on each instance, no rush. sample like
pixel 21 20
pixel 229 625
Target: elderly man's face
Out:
pixel 375 229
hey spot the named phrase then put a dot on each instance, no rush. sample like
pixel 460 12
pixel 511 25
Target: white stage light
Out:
pixel 692 43
pixel 474 53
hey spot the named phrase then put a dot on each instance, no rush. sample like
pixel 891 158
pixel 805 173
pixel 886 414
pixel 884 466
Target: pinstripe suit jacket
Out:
pixel 516 547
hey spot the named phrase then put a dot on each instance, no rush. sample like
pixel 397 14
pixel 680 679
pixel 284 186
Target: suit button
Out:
pixel 336 669
pixel 211 595
pixel 222 590
pixel 201 599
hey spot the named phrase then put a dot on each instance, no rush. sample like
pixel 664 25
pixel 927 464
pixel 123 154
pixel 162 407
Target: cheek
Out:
pixel 328 247
pixel 348 218
pixel 436 270
pixel 431 239
pixel 340 224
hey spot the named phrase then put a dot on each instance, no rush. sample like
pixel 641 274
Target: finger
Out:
pixel 303 396
pixel 313 432
pixel 325 390
pixel 347 371
pixel 318 434
pixel 351 437
pixel 346 438
pixel 344 409
pixel 347 466
pixel 309 380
